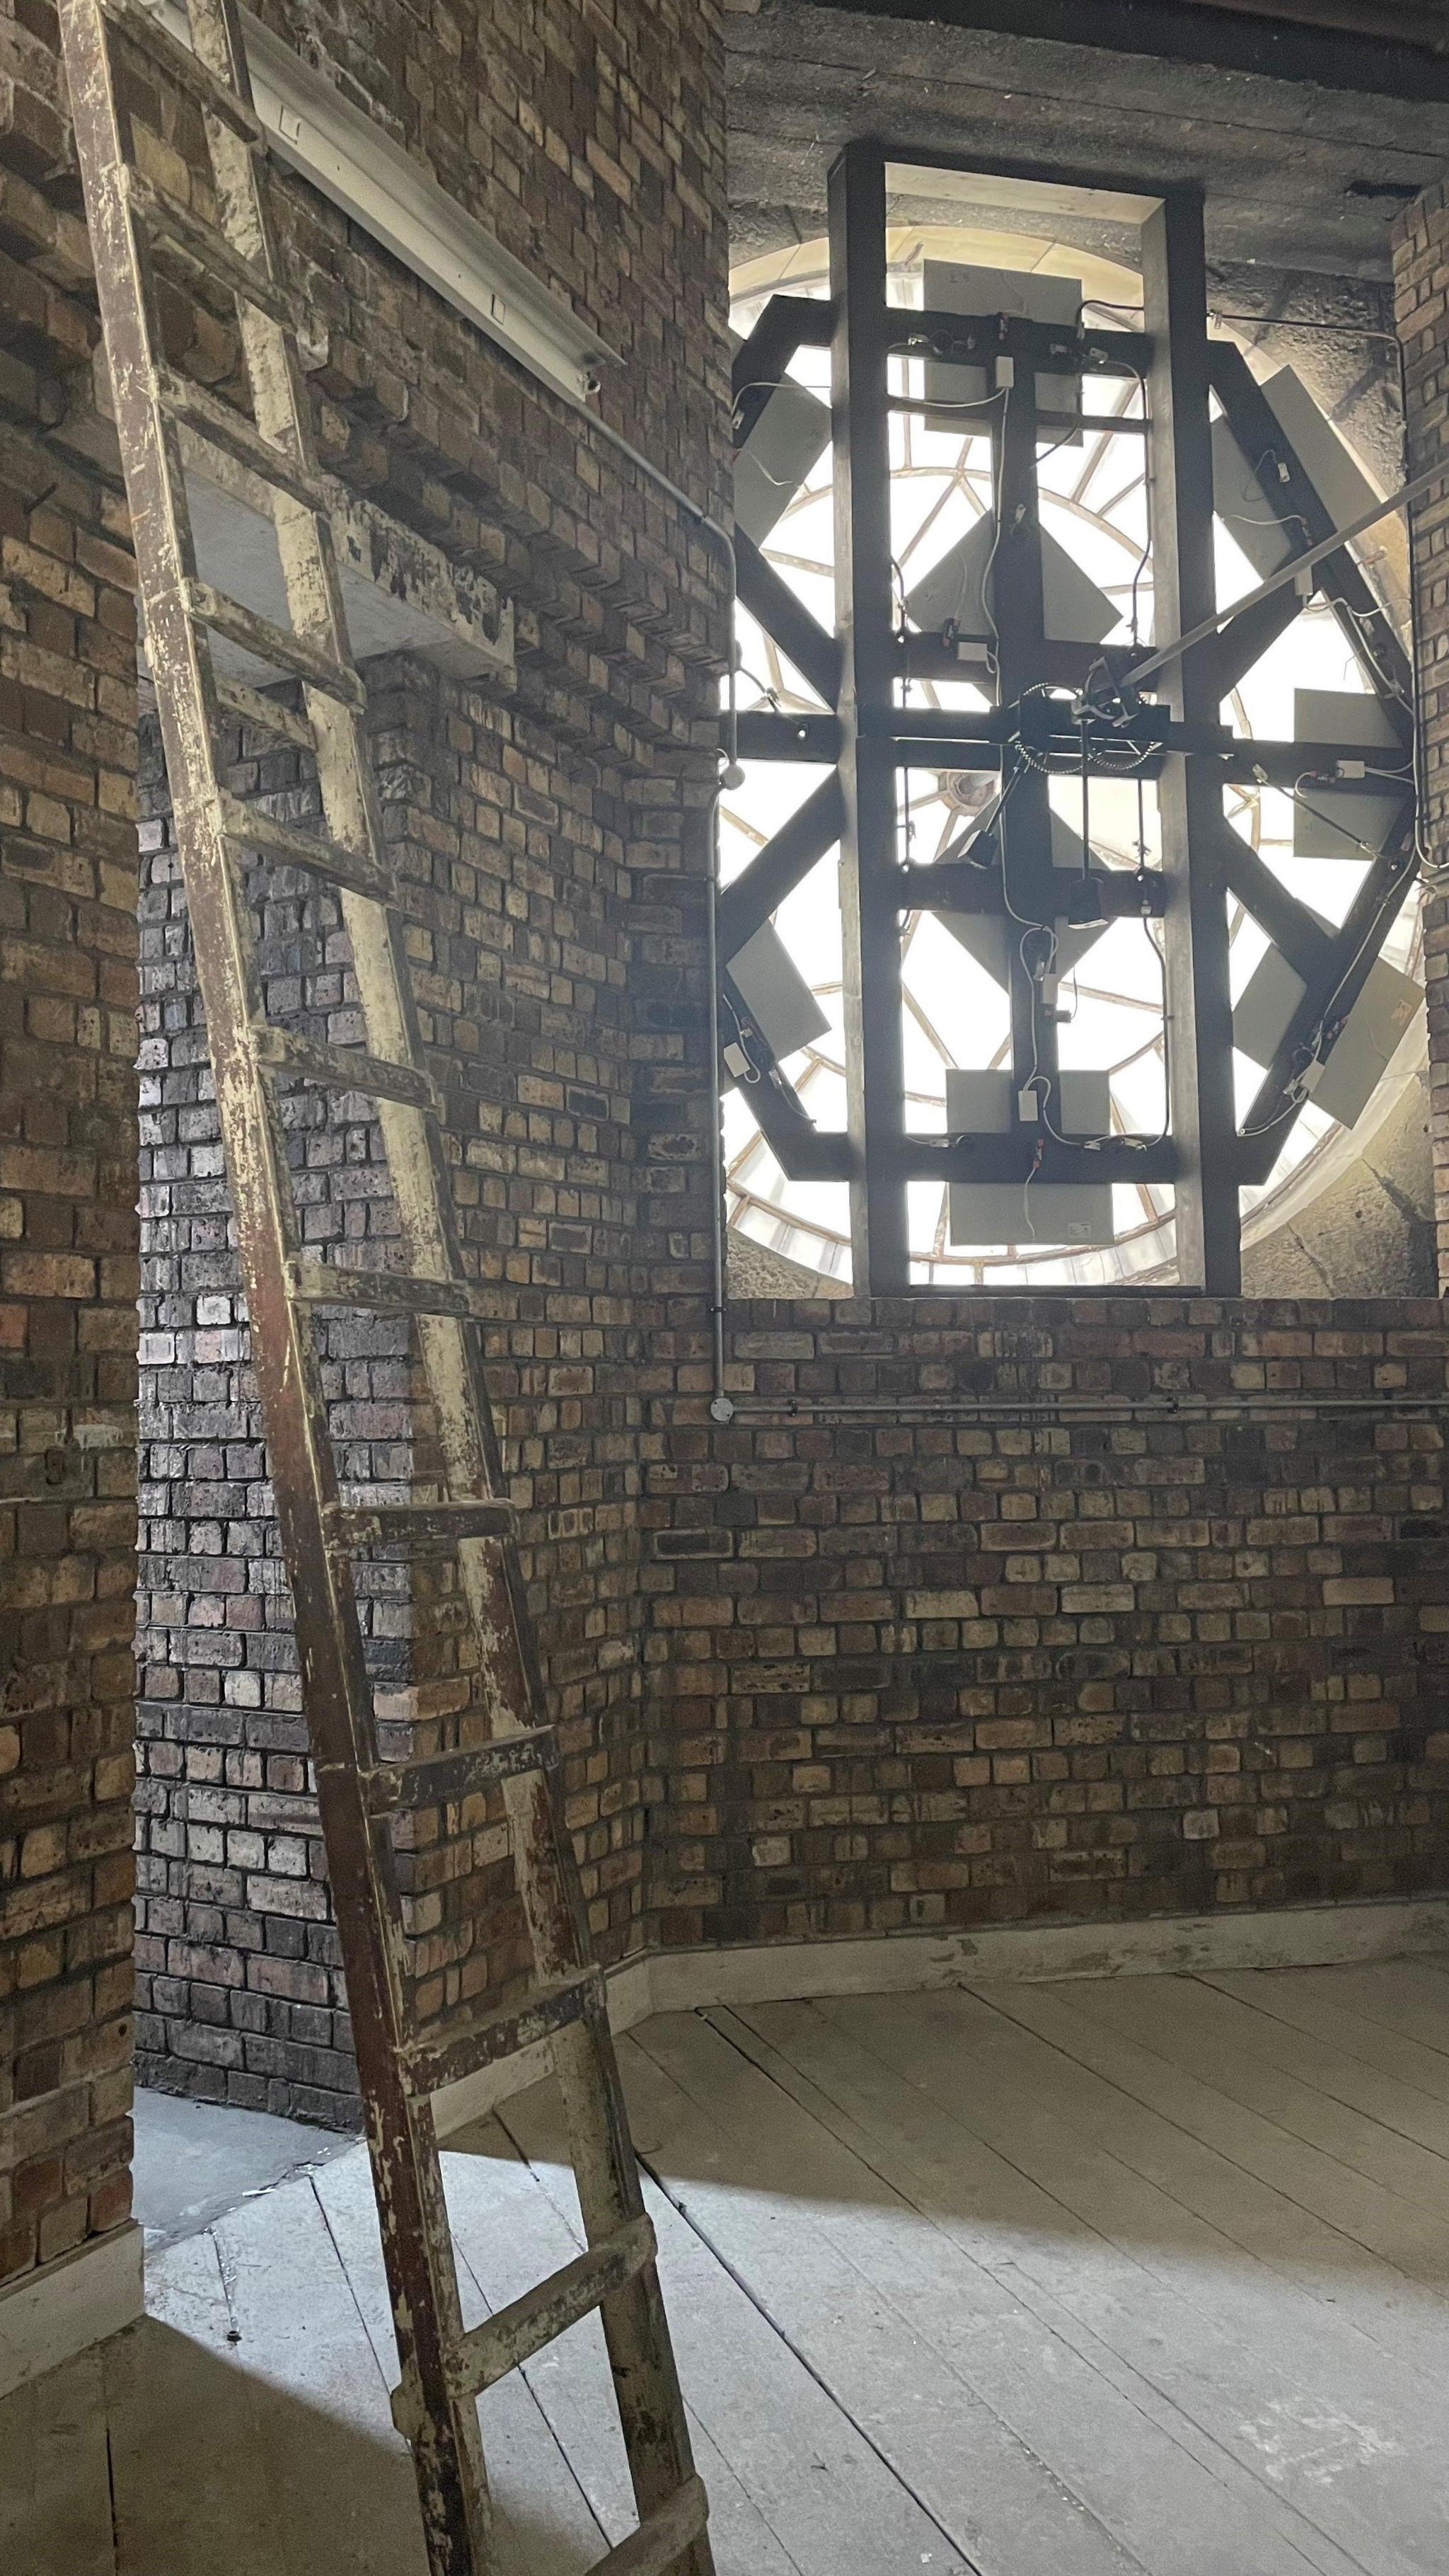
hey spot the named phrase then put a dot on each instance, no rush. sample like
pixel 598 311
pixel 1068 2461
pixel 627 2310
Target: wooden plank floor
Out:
pixel 1147 2277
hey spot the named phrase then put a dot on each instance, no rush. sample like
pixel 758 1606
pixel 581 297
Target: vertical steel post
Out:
pixel 1016 607
pixel 1190 796
pixel 869 856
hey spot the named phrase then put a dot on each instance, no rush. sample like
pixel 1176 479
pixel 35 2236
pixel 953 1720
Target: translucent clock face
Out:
pixel 1110 997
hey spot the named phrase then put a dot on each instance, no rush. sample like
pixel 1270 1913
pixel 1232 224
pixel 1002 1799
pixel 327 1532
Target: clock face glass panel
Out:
pixel 1099 587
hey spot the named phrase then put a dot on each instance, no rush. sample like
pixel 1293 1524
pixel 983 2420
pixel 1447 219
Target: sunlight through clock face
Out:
pixel 1098 574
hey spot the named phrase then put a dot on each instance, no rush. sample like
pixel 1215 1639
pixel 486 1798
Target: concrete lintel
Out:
pixel 473 625
pixel 401 592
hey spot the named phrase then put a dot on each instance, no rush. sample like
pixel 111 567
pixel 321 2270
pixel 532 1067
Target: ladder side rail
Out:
pixel 641 2354
pixel 511 1681
pixel 510 1677
pixel 451 2481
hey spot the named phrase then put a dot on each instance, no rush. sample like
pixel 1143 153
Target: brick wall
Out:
pixel 552 854
pixel 552 848
pixel 532 945
pixel 67 1298
pixel 1031 1606
pixel 1421 281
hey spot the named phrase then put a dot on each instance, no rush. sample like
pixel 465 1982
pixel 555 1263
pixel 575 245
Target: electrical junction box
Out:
pixel 1322 827
pixel 1350 1075
pixel 991 937
pixel 787 440
pixel 1018 1212
pixel 1025 293
pixel 953 593
pixel 775 994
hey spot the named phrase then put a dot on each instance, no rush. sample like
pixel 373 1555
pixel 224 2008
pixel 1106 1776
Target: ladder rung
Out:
pixel 275 644
pixel 182 66
pixel 166 219
pixel 265 713
pixel 464 2040
pixel 248 827
pixel 440 1779
pixel 341 1068
pixel 383 1292
pixel 226 427
pixel 661 2541
pixel 422 1524
pixel 542 2315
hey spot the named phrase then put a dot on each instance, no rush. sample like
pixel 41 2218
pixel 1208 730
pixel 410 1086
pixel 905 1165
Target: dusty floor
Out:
pixel 1084 2280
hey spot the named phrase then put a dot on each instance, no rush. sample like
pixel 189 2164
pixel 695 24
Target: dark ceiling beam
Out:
pixel 1390 52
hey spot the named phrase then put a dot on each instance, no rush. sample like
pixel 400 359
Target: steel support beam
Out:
pixel 785 617
pixel 875 1071
pixel 1296 502
pixel 786 859
pixel 1190 796
pixel 1016 607
pixel 788 323
pixel 1343 968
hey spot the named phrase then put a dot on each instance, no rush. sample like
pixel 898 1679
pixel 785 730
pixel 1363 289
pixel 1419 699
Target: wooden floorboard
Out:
pixel 55 2495
pixel 546 2527
pixel 1144 2277
pixel 1313 2000
pixel 1104 2421
pixel 826 2502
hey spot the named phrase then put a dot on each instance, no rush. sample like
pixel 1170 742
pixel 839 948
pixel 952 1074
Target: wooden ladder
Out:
pixel 157 410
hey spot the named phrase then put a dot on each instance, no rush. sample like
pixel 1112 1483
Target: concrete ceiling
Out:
pixel 1304 176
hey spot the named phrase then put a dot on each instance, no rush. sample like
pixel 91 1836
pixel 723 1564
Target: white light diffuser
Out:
pixel 953 592
pixel 1342 824
pixel 775 993
pixel 1367 1044
pixel 1047 1212
pixel 990 938
pixel 1245 489
pixel 948 288
pixel 789 436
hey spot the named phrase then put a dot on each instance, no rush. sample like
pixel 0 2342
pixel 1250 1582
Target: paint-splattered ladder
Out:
pixel 160 415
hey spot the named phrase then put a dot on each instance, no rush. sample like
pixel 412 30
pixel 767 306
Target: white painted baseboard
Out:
pixel 908 1963
pixel 48 2316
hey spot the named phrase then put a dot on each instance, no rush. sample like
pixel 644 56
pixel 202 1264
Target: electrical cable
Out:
pixel 1261 322
pixel 998 474
pixel 769 385
pixel 1298 1090
pixel 1432 874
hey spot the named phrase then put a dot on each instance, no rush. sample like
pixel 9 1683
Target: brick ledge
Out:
pixel 49 2315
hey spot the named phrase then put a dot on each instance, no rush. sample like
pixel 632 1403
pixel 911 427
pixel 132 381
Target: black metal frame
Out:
pixel 1177 737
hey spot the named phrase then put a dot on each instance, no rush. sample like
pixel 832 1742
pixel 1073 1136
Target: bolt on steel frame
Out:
pixel 400 2065
pixel 1058 708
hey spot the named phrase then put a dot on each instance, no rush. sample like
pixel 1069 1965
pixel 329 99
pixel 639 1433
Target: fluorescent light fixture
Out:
pixel 1366 1045
pixel 775 994
pixel 1329 824
pixel 949 288
pixel 992 938
pixel 1046 1212
pixel 953 592
pixel 391 196
pixel 789 436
